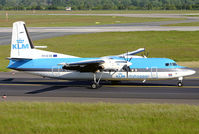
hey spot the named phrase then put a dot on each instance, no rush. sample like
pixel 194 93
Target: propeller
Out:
pixel 146 54
pixel 130 59
pixel 127 69
pixel 127 57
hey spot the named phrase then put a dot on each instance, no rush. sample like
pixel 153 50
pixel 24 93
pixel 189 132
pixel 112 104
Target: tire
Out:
pixel 179 84
pixel 94 86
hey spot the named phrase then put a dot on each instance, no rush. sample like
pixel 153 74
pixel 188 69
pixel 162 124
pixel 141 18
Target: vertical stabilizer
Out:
pixel 23 48
pixel 21 45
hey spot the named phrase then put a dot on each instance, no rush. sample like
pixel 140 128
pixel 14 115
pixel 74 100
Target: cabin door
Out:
pixel 56 71
pixel 154 73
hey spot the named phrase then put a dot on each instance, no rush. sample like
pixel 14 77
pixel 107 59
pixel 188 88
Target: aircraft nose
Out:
pixel 190 71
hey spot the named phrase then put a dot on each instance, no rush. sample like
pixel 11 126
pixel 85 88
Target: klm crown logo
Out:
pixel 20 41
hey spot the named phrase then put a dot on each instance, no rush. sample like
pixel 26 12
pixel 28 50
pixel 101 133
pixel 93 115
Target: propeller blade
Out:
pixel 127 54
pixel 127 69
pixel 147 54
pixel 130 59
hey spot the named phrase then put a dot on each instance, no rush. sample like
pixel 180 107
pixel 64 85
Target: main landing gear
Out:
pixel 95 84
pixel 180 84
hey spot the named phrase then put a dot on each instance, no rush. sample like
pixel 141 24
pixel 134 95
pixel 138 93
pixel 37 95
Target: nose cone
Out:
pixel 192 71
pixel 189 71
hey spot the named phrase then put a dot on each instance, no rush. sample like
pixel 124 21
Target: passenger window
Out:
pixel 167 64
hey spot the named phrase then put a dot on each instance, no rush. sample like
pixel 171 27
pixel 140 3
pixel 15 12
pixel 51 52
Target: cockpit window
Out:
pixel 170 64
pixel 174 64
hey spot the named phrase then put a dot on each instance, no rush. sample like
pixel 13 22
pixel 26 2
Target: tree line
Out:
pixel 99 4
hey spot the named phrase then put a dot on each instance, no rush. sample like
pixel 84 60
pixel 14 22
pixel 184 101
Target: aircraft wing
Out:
pixel 84 66
pixel 133 52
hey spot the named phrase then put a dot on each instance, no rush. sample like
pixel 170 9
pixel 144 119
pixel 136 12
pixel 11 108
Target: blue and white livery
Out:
pixel 25 57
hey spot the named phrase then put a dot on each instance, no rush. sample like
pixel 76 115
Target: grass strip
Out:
pixel 178 45
pixel 99 118
pixel 42 20
pixel 192 64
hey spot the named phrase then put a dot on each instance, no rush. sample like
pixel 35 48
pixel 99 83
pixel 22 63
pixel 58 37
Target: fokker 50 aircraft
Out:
pixel 25 57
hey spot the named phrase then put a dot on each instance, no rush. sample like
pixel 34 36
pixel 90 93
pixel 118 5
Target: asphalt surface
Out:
pixel 25 87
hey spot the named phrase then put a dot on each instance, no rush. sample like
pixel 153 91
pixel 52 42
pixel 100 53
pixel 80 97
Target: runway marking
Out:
pixel 191 77
pixel 151 86
pixel 138 86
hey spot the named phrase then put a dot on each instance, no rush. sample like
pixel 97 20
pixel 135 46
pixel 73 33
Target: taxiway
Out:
pixel 25 87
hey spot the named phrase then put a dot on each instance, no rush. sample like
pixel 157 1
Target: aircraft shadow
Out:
pixel 9 79
pixel 87 83
pixel 52 88
pixel 45 89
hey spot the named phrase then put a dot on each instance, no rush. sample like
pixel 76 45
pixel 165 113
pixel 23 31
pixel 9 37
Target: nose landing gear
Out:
pixel 180 84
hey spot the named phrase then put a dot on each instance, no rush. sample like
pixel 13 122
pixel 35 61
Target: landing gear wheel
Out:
pixel 94 85
pixel 179 84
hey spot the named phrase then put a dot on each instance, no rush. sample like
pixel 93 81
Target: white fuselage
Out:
pixel 151 74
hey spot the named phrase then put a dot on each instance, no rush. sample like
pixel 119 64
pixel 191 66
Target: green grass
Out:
pixel 4 52
pixel 71 20
pixel 181 46
pixel 100 118
pixel 177 45
pixel 195 15
pixel 192 64
pixel 102 12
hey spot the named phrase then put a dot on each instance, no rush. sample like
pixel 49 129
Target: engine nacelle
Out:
pixel 114 65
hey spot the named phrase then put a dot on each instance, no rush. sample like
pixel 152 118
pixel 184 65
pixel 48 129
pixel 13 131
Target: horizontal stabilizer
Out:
pixel 133 52
pixel 40 46
pixel 9 58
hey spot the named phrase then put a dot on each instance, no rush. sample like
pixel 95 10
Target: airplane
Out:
pixel 26 57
